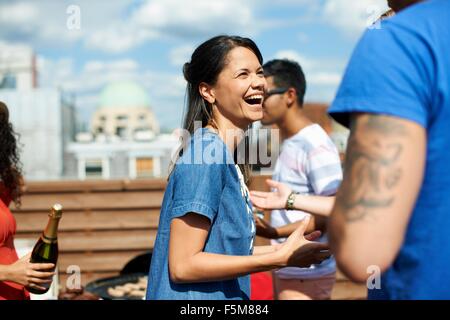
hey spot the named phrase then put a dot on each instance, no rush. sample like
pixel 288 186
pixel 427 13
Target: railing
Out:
pixel 107 223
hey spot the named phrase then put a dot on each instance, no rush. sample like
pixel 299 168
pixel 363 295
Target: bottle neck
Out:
pixel 51 230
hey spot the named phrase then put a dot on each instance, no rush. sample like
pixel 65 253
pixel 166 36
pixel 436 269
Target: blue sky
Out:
pixel 81 46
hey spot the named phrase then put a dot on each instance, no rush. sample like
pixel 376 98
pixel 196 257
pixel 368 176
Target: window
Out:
pixel 121 131
pixel 94 169
pixel 122 118
pixel 144 167
pixel 8 82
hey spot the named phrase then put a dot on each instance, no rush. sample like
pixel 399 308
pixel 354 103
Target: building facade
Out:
pixel 44 118
pixel 124 141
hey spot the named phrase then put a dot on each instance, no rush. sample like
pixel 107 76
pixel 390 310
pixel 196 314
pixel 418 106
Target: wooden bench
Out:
pixel 105 224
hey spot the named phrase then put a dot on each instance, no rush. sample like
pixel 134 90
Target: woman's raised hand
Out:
pixel 297 251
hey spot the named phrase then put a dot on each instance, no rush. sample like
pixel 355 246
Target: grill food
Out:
pixel 129 289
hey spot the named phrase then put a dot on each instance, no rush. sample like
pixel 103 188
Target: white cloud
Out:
pixel 117 26
pixel 179 55
pixel 95 75
pixel 42 23
pixel 118 38
pixel 165 89
pixel 313 68
pixel 123 65
pixel 322 75
pixel 352 17
pixel 325 78
pixel 163 84
pixel 306 63
pixel 303 37
pixel 200 17
pixel 18 13
pixel 53 73
pixel 173 19
pixel 9 48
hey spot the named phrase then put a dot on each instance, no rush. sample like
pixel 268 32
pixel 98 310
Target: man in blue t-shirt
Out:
pixel 392 212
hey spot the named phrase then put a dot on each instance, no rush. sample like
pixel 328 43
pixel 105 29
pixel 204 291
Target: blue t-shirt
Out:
pixel 204 181
pixel 403 70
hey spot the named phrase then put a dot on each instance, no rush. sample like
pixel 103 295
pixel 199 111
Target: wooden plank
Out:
pixel 94 185
pixel 98 261
pixel 317 113
pixel 73 186
pixel 102 240
pixel 90 220
pixel 260 241
pixel 258 182
pixel 145 184
pixel 100 200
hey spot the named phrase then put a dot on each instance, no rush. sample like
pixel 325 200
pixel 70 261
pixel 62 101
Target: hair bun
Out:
pixel 187 72
pixel 4 113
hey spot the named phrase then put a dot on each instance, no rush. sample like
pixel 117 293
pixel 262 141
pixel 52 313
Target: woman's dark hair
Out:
pixel 10 166
pixel 287 74
pixel 207 62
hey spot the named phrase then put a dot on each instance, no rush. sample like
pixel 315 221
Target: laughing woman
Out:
pixel 204 246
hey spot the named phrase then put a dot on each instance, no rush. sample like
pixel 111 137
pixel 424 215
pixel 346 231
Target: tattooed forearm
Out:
pixel 385 125
pixel 372 166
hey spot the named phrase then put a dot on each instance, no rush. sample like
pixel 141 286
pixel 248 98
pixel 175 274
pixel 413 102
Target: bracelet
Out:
pixel 290 201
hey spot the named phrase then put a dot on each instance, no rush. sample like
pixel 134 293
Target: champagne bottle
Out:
pixel 46 248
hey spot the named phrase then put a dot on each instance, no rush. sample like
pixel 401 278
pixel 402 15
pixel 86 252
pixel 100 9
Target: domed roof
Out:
pixel 123 94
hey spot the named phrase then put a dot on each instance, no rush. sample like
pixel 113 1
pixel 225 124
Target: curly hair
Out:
pixel 10 166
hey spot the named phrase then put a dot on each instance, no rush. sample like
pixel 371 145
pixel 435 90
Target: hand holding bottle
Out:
pixel 30 275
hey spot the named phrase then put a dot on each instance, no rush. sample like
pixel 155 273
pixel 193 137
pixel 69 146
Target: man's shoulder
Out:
pixel 312 137
pixel 422 13
pixel 401 53
pixel 418 22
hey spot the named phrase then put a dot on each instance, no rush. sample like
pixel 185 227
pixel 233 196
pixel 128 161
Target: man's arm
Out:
pixel 317 205
pixel 382 177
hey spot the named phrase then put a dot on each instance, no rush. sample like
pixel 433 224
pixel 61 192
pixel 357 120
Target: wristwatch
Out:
pixel 290 201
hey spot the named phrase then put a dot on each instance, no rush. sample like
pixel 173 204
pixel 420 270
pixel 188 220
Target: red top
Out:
pixel 8 254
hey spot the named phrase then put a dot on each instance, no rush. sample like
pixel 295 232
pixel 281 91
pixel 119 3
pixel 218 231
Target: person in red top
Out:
pixel 15 274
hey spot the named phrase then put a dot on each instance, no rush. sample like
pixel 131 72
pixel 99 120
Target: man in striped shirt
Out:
pixel 309 164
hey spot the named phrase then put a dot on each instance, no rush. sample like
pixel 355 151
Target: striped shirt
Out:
pixel 309 163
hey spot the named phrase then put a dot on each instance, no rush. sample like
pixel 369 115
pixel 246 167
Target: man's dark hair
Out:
pixel 287 74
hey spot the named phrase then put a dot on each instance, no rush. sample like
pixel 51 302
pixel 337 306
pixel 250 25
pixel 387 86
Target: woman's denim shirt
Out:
pixel 204 181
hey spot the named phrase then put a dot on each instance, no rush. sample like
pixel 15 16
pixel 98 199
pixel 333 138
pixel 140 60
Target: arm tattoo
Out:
pixel 372 166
